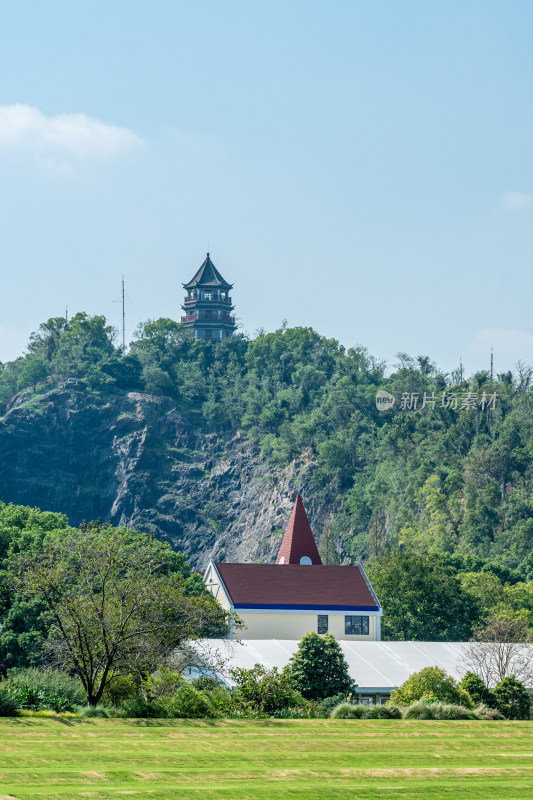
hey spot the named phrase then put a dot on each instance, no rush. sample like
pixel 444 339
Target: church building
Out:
pixel 208 305
pixel 298 593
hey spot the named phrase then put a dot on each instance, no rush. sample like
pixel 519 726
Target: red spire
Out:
pixel 298 541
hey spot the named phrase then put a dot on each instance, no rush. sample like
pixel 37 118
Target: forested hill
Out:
pixel 206 445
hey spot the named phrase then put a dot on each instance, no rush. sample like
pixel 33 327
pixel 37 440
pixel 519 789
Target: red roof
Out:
pixel 296 586
pixel 298 540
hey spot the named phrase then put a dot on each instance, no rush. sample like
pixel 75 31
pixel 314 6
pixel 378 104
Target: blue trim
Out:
pixel 284 607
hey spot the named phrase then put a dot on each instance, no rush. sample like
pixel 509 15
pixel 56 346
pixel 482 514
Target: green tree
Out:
pixel 512 698
pixel 430 682
pixel 116 602
pixel 477 689
pixel 33 372
pixel 318 668
pixel 422 598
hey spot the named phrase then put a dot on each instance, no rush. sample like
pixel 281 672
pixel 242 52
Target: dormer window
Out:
pixel 305 560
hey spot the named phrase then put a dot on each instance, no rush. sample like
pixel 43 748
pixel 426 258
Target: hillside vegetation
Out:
pixel 451 477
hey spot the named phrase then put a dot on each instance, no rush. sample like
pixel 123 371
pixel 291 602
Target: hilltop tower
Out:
pixel 208 305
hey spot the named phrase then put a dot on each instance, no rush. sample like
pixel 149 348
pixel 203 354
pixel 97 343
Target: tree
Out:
pixel 512 698
pixel 116 601
pixel 422 598
pixel 33 371
pixel 501 648
pixel 430 682
pixel 477 689
pixel 265 690
pixel 318 668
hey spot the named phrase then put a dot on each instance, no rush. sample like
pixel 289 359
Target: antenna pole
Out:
pixel 123 320
pixel 66 313
pixel 491 367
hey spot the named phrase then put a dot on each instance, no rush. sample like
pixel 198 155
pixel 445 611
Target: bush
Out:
pixel 187 703
pixel 121 688
pixel 34 689
pixel 424 710
pixel 421 710
pixel 329 703
pixel 486 712
pixel 387 712
pixel 139 708
pixel 265 691
pixel 8 706
pixel 477 689
pixel 451 711
pixel 205 683
pixel 512 698
pixel 164 683
pixel 349 711
pixel 431 682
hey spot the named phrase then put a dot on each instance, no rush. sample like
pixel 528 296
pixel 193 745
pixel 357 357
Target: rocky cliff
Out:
pixel 134 460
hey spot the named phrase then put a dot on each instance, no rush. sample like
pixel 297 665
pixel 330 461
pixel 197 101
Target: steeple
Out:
pixel 298 545
pixel 208 305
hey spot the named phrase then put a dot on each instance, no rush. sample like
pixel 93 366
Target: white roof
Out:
pixel 373 665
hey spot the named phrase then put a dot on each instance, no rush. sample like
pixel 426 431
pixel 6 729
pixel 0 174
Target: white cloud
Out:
pixel 27 128
pixel 510 345
pixel 516 201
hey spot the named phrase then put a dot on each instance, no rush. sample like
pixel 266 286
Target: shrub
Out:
pixel 8 706
pixel 164 683
pixel 486 712
pixel 187 703
pixel 121 688
pixel 387 712
pixel 139 708
pixel 512 698
pixel 451 711
pixel 318 668
pixel 421 710
pixel 424 710
pixel 205 683
pixel 265 691
pixel 329 703
pixel 35 689
pixel 431 682
pixel 477 689
pixel 349 711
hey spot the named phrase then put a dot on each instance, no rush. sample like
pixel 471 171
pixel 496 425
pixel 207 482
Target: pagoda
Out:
pixel 208 305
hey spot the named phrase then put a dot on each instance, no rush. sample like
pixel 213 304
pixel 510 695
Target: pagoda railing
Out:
pixel 205 317
pixel 191 299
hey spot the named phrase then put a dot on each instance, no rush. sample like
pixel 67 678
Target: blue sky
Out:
pixel 364 168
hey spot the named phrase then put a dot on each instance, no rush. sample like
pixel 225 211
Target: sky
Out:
pixel 362 168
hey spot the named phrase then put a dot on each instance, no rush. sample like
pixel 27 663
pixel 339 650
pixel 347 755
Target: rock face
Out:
pixel 134 460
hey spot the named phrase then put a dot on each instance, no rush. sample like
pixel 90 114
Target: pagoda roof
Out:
pixel 208 276
pixel 298 541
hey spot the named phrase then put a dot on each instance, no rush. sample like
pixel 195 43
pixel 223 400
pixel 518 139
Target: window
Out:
pixel 208 333
pixel 356 626
pixel 322 623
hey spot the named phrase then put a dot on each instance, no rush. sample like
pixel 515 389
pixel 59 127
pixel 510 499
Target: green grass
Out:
pixel 260 760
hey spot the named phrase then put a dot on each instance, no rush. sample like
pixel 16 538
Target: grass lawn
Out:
pixel 234 760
